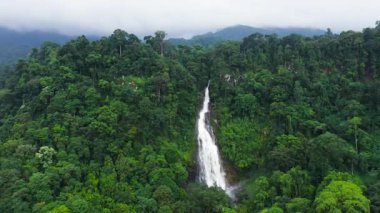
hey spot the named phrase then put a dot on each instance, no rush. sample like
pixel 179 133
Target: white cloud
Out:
pixel 183 17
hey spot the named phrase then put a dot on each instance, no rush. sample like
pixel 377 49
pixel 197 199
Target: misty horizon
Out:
pixel 187 36
pixel 182 19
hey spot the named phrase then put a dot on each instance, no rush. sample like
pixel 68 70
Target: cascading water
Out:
pixel 211 170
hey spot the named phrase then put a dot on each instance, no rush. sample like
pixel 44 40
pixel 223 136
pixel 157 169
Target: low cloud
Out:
pixel 183 18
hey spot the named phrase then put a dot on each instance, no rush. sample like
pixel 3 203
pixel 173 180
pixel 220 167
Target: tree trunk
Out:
pixel 356 140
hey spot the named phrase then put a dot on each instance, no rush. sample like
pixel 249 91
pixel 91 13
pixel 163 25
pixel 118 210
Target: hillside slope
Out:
pixel 238 32
pixel 108 125
pixel 15 45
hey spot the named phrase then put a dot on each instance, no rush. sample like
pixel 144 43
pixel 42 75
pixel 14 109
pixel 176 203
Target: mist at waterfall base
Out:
pixel 211 171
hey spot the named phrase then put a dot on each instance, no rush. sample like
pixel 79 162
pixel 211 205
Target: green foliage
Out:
pixel 45 155
pixel 207 199
pixel 373 194
pixel 299 204
pixel 241 143
pixel 60 209
pixel 39 185
pixel 272 210
pixel 289 151
pixel 331 151
pixel 108 125
pixel 341 196
pixel 338 176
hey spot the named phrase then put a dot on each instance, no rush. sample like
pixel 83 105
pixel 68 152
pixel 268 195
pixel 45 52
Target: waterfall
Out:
pixel 211 170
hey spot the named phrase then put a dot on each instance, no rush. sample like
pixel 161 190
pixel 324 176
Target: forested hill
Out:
pixel 15 45
pixel 108 125
pixel 238 32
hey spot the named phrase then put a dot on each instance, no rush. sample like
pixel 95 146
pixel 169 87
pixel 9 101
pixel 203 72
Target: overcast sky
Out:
pixel 184 17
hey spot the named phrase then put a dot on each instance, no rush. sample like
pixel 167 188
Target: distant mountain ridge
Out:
pixel 15 45
pixel 238 32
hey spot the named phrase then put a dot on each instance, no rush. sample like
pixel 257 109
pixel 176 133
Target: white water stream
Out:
pixel 211 170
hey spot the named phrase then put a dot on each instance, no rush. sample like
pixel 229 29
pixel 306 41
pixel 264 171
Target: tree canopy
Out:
pixel 108 125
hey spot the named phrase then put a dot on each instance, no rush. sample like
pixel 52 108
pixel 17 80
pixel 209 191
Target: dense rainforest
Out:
pixel 109 125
